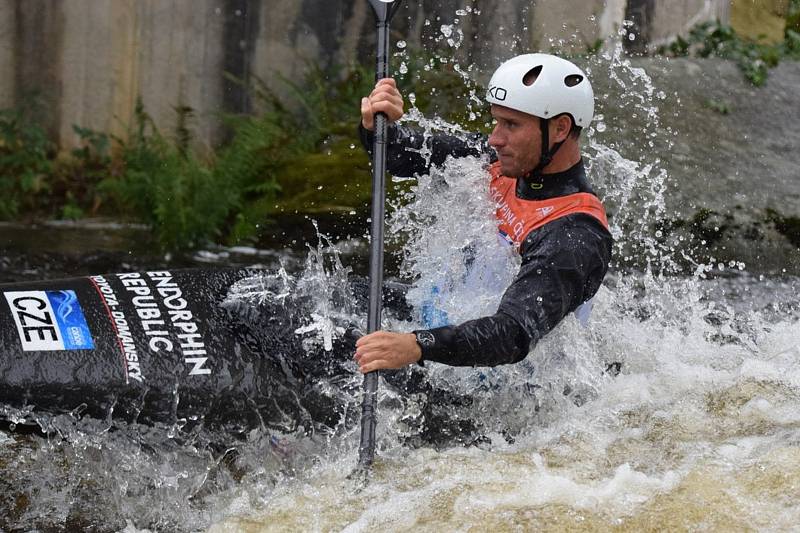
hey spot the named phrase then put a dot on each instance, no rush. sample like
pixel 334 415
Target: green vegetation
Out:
pixel 789 226
pixel 720 106
pixel 300 153
pixel 754 59
pixel 26 162
pixel 793 23
pixel 304 142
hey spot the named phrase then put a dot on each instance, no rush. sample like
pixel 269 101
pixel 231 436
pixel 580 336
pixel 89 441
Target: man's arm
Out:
pixel 563 265
pixel 405 143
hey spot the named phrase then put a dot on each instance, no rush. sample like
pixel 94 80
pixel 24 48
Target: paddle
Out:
pixel 384 11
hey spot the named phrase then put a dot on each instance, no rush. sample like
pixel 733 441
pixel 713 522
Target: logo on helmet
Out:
pixel 498 93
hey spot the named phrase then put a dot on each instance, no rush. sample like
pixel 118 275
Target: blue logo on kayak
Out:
pixel 71 322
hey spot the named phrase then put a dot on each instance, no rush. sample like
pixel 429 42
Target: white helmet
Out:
pixel 559 87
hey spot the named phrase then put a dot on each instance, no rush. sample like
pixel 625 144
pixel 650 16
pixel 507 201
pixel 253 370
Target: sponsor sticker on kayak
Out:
pixel 49 320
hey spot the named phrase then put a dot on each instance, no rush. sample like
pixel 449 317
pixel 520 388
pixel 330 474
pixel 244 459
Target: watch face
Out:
pixel 425 338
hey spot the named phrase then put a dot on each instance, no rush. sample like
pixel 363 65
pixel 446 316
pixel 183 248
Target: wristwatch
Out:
pixel 425 338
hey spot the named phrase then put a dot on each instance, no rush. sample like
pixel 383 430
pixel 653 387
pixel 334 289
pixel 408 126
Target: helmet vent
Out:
pixel 572 80
pixel 530 77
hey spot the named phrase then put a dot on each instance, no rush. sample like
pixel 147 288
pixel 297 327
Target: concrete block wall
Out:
pixel 7 64
pixel 89 60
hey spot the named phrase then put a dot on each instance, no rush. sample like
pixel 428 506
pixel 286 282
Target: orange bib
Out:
pixel 519 217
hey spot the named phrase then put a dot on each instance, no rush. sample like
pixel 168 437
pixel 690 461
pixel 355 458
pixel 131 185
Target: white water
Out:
pixel 700 430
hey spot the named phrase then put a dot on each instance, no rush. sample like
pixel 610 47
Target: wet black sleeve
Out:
pixel 406 146
pixel 563 265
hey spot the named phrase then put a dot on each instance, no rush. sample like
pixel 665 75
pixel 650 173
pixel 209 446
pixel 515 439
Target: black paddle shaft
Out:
pixel 384 11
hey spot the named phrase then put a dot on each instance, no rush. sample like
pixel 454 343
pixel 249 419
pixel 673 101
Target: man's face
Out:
pixel 517 139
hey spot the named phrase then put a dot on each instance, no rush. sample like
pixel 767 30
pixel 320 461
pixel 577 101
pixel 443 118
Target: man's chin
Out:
pixel 508 171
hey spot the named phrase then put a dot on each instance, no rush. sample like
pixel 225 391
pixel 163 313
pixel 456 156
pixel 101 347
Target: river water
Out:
pixel 676 407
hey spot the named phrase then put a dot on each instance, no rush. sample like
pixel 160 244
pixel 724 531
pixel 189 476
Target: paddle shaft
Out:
pixel 366 450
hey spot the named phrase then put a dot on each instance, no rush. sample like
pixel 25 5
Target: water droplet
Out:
pixel 631 36
pixel 600 127
pixel 461 12
pixel 403 68
pixel 401 44
pixel 446 29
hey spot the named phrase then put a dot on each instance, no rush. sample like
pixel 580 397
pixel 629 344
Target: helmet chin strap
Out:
pixel 547 155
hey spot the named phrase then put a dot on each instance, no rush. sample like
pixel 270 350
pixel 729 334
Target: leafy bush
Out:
pixel 791 41
pixel 709 39
pixel 162 183
pixel 299 152
pixel 25 162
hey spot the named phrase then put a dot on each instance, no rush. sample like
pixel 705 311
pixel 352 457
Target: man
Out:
pixel 545 209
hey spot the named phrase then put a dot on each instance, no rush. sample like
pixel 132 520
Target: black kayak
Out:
pixel 177 347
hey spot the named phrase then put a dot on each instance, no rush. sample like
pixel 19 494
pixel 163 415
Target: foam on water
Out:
pixel 697 428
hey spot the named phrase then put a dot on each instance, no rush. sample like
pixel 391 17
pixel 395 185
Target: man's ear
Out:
pixel 561 126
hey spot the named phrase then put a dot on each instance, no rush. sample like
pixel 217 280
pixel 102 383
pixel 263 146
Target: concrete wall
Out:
pixel 89 60
pixel 670 20
pixel 762 20
pixel 177 59
pixel 7 66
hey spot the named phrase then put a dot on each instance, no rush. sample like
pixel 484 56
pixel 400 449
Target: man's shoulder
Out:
pixel 572 231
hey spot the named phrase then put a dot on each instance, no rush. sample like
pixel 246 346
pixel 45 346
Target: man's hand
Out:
pixel 385 98
pixel 386 350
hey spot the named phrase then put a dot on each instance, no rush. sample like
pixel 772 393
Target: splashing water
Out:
pixel 676 408
pixel 698 429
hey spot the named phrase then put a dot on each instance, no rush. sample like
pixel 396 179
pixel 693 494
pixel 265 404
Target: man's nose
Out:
pixel 495 139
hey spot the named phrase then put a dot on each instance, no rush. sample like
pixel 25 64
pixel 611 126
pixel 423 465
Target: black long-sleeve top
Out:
pixel 563 262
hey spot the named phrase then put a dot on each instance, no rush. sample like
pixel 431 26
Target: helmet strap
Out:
pixel 547 154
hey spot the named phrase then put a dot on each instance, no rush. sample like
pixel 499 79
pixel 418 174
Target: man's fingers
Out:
pixel 380 364
pixel 372 338
pixel 385 92
pixel 384 98
pixel 385 349
pixel 371 353
pixel 383 107
pixel 367 114
pixel 387 81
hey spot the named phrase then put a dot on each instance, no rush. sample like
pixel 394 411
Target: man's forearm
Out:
pixel 405 143
pixel 487 341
